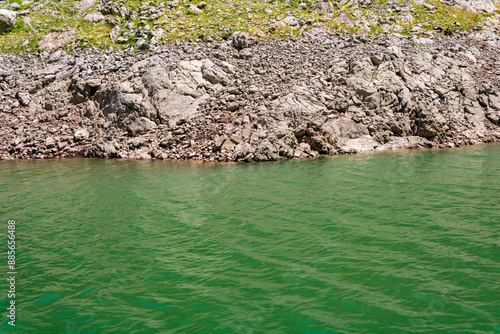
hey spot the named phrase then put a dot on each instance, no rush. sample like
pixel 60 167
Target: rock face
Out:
pixel 160 96
pixel 246 102
pixel 7 20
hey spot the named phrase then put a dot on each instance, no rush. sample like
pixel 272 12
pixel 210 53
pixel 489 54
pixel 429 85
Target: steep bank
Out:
pixel 252 101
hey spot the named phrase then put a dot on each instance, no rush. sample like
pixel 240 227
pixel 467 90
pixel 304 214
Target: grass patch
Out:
pixel 220 18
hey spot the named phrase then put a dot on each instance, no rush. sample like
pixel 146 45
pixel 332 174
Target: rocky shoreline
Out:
pixel 242 100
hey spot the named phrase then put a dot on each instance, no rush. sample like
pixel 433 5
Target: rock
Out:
pixel 286 99
pixel 102 150
pixel 291 21
pixel 493 116
pixel 365 143
pixel 194 9
pixel 54 40
pixel 91 110
pixel 81 134
pixel 122 40
pixel 7 20
pixel 24 98
pixel 233 106
pixel 240 39
pixel 266 151
pixel 494 101
pixel 214 75
pixel 395 51
pixel 56 56
pixel 245 53
pixel 218 141
pixel 94 17
pixel 115 32
pixel 50 142
pixel 86 4
pixel 141 44
pixel 141 125
pixel 377 59
pixel 243 151
pixel 277 24
pixel 486 6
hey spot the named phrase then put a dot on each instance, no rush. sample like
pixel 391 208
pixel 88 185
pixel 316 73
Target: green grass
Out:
pixel 446 17
pixel 222 17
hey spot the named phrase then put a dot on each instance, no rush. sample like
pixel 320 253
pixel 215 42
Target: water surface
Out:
pixel 392 242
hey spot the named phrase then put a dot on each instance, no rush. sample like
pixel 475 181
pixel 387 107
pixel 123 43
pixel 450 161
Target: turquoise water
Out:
pixel 392 242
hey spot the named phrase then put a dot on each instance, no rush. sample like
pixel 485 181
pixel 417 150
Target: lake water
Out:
pixel 391 242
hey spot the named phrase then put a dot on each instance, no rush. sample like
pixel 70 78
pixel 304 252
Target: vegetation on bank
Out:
pixel 134 22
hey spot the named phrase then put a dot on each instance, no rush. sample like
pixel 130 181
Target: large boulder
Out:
pixel 7 20
pixel 178 93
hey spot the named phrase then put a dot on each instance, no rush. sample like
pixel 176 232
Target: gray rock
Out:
pixel 243 151
pixel 195 9
pixel 240 39
pixel 141 125
pixel 91 110
pixel 246 53
pixel 214 75
pixel 81 134
pixel 7 20
pixel 115 32
pixel 94 17
pixel 86 4
pixel 56 56
pixel 487 6
pixel 494 101
pixel 102 150
pixel 141 44
pixel 50 142
pixel 24 98
pixel 377 59
pixel 291 21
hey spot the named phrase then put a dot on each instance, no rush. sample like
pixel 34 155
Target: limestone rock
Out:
pixel 81 134
pixel 94 17
pixel 7 20
pixel 194 9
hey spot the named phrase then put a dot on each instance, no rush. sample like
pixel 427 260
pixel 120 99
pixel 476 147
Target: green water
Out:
pixel 396 242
